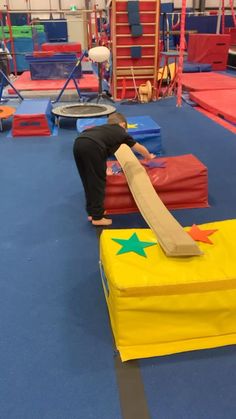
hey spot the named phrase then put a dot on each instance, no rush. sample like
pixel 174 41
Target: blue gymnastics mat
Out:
pixel 137 125
pixel 142 128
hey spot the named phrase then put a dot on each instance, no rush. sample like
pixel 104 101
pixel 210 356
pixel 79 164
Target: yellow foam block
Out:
pixel 169 71
pixel 160 305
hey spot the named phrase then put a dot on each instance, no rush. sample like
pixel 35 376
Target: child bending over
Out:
pixel 91 150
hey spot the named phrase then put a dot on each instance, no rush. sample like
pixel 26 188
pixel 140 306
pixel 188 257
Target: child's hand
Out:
pixel 150 157
pixel 109 171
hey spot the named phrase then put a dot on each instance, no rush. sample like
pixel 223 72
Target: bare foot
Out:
pixel 102 222
pixel 90 218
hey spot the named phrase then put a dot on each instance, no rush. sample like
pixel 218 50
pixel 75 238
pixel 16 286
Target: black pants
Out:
pixel 91 163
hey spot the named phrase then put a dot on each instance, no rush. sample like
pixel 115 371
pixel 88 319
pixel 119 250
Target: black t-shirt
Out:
pixel 109 137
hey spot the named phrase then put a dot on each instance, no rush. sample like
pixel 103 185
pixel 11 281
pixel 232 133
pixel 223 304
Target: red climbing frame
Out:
pixel 129 73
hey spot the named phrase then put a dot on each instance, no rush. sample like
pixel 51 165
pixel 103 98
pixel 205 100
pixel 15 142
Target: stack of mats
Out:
pixel 181 182
pixel 196 67
pixel 22 31
pixel 220 103
pixel 64 47
pixel 52 66
pixel 208 81
pixel 23 46
pixel 87 83
pixel 142 128
pixel 160 305
pixel 214 92
pixel 33 118
pixel 25 39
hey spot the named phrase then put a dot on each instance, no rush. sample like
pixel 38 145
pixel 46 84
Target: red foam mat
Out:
pixel 89 83
pixel 63 47
pixel 208 81
pixel 30 125
pixel 182 183
pixel 221 102
pixel 217 119
pixel 209 48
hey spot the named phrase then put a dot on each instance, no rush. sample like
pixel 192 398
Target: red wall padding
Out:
pixel 183 183
pixel 209 48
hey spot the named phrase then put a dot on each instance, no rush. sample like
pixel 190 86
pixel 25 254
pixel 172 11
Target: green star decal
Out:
pixel 133 244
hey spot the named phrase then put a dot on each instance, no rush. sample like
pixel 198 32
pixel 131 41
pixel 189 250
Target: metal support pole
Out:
pixel 218 19
pixel 202 5
pixel 223 16
pixel 232 11
pixel 181 53
pixel 8 82
pixel 71 77
pixel 12 41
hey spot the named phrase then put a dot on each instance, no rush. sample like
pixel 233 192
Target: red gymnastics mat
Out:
pixel 208 81
pixel 63 47
pixel 227 125
pixel 182 182
pixel 33 118
pixel 221 102
pixel 88 83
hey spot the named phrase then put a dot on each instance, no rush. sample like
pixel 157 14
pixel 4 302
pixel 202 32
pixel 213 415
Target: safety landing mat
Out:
pixel 221 103
pixel 87 83
pixel 160 305
pixel 180 181
pixel 208 81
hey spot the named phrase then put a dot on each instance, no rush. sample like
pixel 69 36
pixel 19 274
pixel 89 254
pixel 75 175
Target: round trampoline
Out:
pixel 83 110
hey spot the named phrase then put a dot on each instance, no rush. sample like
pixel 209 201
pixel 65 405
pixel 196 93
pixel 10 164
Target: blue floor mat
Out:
pixel 56 350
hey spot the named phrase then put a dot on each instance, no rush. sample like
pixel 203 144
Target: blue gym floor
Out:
pixel 56 347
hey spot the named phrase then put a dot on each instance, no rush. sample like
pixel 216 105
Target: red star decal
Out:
pixel 200 235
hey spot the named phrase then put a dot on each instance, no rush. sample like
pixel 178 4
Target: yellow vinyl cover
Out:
pixel 169 71
pixel 160 305
pixel 171 236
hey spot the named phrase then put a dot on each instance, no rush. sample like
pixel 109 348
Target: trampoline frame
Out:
pixel 58 111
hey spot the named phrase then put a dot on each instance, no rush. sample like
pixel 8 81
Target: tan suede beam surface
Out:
pixel 170 234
